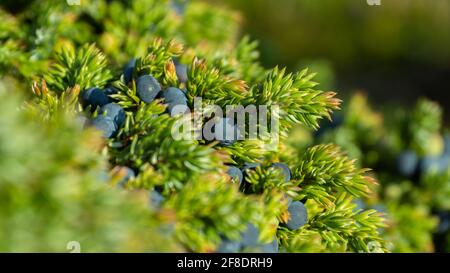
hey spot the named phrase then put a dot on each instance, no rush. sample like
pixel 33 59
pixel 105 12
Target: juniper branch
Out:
pixel 294 94
pixel 86 68
pixel 326 166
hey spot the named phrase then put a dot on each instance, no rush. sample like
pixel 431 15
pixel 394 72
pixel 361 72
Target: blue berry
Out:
pixel 156 199
pixel 174 95
pixel 229 246
pixel 235 173
pixel 181 70
pixel 226 132
pixel 298 215
pixel 250 237
pixel 407 163
pixel 285 170
pixel 106 125
pixel 95 97
pixel 128 70
pixel 147 88
pixel 176 101
pixel 115 112
pixel 127 174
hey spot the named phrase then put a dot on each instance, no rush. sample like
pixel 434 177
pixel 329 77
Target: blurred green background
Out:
pixel 395 52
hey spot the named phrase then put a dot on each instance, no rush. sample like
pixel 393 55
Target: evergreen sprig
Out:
pixel 294 94
pixel 147 139
pixel 48 104
pixel 212 86
pixel 268 179
pixel 343 224
pixel 324 168
pixel 245 151
pixel 126 96
pixel 208 209
pixel 87 67
pixel 158 59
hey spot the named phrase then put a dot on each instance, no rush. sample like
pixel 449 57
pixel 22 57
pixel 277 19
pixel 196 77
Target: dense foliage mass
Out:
pixel 90 95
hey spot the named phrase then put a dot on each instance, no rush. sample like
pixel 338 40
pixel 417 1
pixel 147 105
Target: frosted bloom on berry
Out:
pixel 298 215
pixel 147 88
pixel 95 97
pixel 106 125
pixel 115 112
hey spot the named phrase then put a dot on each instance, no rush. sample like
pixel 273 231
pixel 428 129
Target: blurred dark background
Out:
pixel 395 52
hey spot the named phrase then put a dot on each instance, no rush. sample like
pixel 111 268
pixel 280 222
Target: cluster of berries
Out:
pixel 111 117
pixel 298 214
